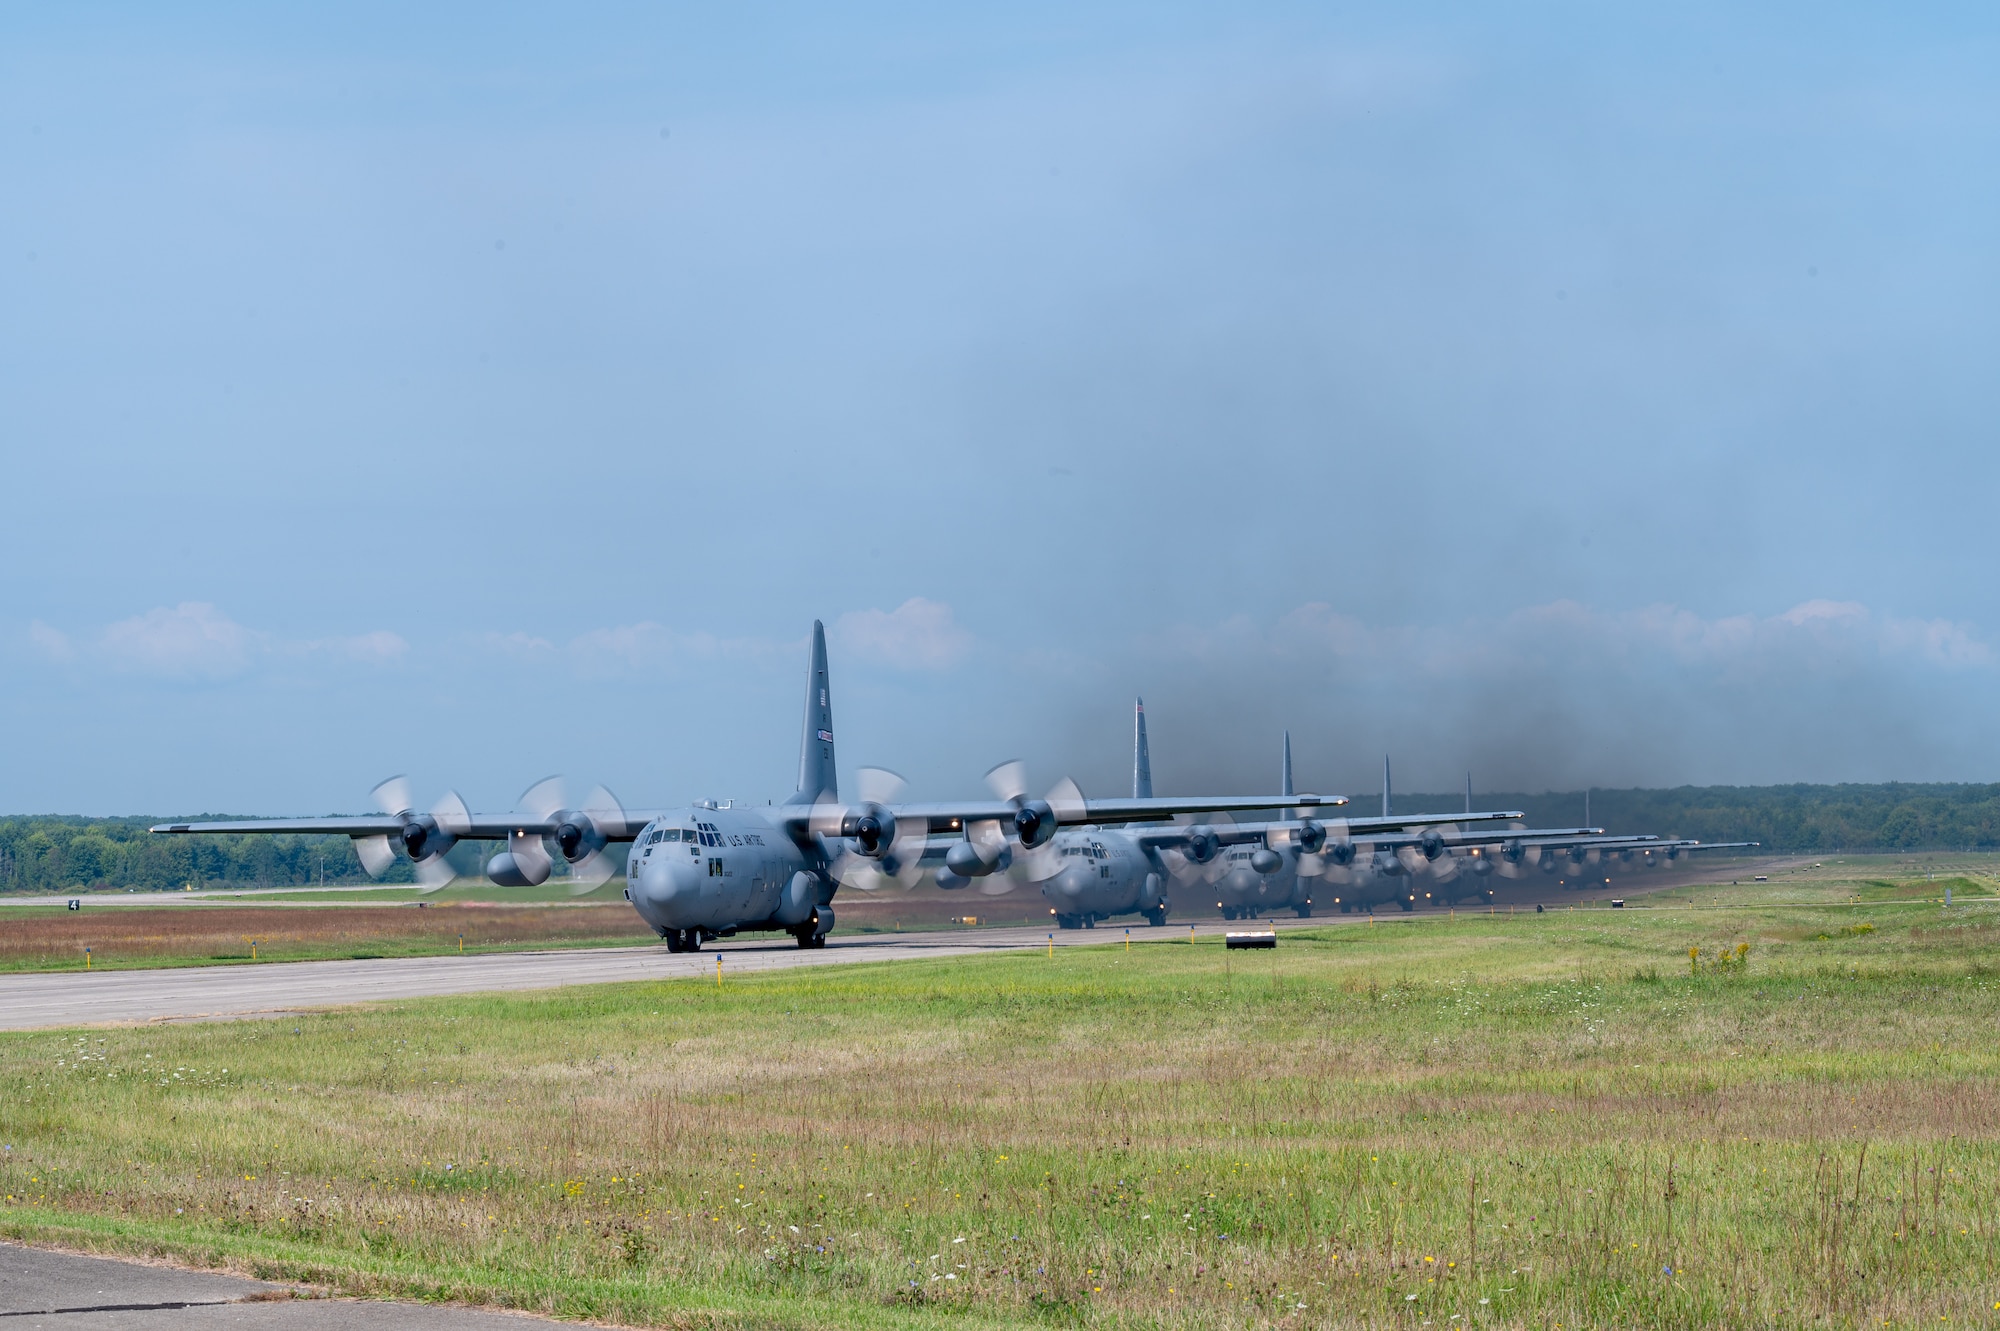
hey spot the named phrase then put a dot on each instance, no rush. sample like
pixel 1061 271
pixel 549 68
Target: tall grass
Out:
pixel 1512 1122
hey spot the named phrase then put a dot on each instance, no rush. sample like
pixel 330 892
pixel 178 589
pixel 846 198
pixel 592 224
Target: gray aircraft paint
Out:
pixel 817 777
pixel 711 869
pixel 1107 872
pixel 1142 758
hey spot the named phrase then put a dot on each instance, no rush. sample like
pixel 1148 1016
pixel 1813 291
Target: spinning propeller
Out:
pixel 1201 861
pixel 1035 822
pixel 581 837
pixel 425 837
pixel 876 848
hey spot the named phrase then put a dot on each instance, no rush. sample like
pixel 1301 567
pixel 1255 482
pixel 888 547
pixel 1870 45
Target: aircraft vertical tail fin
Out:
pixel 1142 758
pixel 1287 786
pixel 1468 792
pixel 816 770
pixel 1385 785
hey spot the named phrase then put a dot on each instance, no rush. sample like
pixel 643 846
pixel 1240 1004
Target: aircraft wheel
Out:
pixel 690 940
pixel 1407 904
pixel 673 937
pixel 1304 912
pixel 805 940
pixel 1090 921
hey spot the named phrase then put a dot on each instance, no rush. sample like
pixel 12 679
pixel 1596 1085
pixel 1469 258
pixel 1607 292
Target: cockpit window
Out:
pixel 670 834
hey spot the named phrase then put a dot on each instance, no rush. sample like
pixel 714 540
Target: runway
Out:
pixel 207 993
pixel 75 1292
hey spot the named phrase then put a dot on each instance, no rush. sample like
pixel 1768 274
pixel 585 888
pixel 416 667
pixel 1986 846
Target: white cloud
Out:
pixel 197 641
pixel 51 642
pixel 517 643
pixel 919 634
pixel 193 640
pixel 379 648
pixel 647 646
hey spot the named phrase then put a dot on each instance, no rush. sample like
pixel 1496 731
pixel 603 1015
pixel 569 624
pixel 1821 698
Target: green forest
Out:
pixel 57 854
pixel 1810 819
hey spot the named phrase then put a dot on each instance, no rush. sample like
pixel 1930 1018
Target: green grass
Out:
pixel 555 890
pixel 1521 1120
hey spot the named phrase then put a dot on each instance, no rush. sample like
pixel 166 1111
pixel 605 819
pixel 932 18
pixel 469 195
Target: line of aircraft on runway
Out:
pixel 718 869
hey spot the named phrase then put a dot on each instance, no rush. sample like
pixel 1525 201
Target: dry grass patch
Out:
pixel 205 934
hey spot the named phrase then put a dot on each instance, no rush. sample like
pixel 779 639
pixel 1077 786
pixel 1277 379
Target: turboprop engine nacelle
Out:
pixel 1431 844
pixel 1034 823
pixel 1203 845
pixel 1312 836
pixel 872 828
pixel 423 839
pixel 1342 853
pixel 577 835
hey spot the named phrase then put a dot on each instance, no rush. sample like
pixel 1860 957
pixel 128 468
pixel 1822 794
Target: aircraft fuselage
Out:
pixel 1105 872
pixel 718 869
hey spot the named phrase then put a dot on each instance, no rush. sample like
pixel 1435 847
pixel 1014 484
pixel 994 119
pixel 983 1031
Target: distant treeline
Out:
pixel 1815 819
pixel 57 854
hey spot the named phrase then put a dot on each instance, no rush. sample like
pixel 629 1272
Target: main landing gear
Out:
pixel 682 940
pixel 811 940
pixel 1083 921
pixel 1157 916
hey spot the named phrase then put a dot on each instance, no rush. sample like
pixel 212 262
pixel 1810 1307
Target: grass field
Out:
pixel 222 932
pixel 1523 1121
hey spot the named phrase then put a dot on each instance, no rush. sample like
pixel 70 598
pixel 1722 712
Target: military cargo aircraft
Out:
pixel 717 869
pixel 1101 872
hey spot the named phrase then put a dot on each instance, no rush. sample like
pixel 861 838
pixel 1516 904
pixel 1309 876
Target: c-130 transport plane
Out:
pixel 715 870
pixel 1099 872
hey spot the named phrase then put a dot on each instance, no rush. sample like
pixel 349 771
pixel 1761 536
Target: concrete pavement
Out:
pixel 66 1291
pixel 194 993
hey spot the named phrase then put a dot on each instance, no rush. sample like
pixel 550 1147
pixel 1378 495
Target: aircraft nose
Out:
pixel 660 879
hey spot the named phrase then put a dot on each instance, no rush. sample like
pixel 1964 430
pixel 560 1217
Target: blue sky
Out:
pixel 1568 394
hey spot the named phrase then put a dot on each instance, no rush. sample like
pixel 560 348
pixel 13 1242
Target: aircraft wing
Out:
pixel 953 817
pixel 473 827
pixel 1386 833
